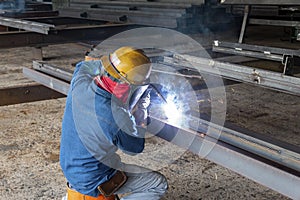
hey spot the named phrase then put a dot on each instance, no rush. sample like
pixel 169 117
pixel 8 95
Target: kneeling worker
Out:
pixel 98 121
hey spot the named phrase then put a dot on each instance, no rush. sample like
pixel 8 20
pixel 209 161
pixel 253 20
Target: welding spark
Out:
pixel 171 110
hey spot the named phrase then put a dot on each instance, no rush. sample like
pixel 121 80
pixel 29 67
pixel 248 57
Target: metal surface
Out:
pixel 256 51
pixel 259 77
pixel 236 151
pixel 244 24
pixel 52 70
pixel 132 4
pixel 167 19
pixel 262 2
pixel 29 14
pixel 235 59
pixel 275 22
pixel 233 159
pixel 24 94
pixel 257 10
pixel 64 35
pixel 48 81
pixel 194 2
pixel 26 25
pixel 170 14
pixel 287 57
pixel 250 144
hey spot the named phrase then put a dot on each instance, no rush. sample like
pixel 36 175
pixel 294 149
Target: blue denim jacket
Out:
pixel 94 127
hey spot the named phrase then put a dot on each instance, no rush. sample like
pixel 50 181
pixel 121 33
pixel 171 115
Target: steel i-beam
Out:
pixel 259 77
pixel 241 153
pixel 262 2
pixel 26 25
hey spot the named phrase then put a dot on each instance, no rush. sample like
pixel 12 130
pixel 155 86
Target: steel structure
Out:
pixel 24 94
pixel 260 77
pixel 270 22
pixel 187 16
pixel 262 2
pixel 263 162
pixel 26 25
pixel 286 56
pixel 61 34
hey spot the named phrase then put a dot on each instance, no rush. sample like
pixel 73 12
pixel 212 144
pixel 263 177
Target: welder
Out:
pixel 106 111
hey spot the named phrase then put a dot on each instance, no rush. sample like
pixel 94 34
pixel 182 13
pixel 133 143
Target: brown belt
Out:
pixel 74 195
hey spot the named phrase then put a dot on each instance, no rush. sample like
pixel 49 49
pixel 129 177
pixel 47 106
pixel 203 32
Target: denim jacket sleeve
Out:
pixel 87 69
pixel 129 138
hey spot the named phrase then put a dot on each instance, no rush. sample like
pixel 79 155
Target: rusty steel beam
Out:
pixel 25 94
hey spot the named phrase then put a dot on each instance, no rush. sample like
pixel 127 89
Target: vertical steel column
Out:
pixel 245 20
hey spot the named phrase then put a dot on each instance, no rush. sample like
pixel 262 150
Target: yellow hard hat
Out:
pixel 128 64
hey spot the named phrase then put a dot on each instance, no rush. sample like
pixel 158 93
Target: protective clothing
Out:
pixel 129 65
pixel 125 74
pixel 94 127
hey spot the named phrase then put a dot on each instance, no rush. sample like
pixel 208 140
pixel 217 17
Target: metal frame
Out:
pixel 26 25
pixel 226 151
pixel 244 24
pixel 132 4
pixel 61 35
pixel 48 81
pixel 166 19
pixel 274 22
pixel 259 77
pixel 234 159
pixel 285 56
pixel 28 93
pixel 262 2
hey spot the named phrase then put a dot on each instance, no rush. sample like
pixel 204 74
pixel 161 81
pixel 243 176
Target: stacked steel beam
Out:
pixel 180 14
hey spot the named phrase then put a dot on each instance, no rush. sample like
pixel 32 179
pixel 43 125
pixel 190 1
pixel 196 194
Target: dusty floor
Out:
pixel 30 135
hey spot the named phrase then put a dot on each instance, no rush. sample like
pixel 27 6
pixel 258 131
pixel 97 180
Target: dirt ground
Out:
pixel 30 136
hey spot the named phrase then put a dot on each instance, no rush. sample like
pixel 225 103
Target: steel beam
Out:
pixel 30 14
pixel 262 2
pixel 49 81
pixel 269 22
pixel 64 35
pixel 226 149
pixel 231 158
pixel 248 143
pixel 136 17
pixel 26 25
pixel 244 24
pixel 53 70
pixel 259 77
pixel 133 4
pixel 256 51
pixel 256 146
pixel 286 56
pixel 24 94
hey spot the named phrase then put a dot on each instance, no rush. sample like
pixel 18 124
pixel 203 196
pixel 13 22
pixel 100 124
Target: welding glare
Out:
pixel 171 110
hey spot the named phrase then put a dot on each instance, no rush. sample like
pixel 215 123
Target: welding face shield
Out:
pixel 130 68
pixel 125 94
